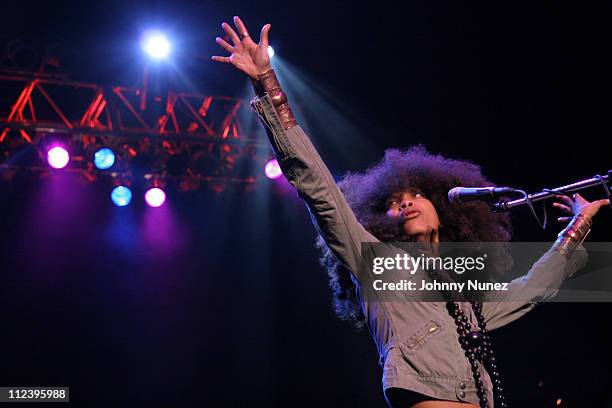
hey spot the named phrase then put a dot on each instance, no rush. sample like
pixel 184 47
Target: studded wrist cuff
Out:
pixel 573 235
pixel 267 83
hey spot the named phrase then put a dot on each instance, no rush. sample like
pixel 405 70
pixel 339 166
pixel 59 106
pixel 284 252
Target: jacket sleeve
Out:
pixel 542 282
pixel 304 169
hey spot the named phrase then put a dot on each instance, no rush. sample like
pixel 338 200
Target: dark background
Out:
pixel 220 301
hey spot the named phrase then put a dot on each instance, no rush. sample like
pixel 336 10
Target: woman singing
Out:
pixel 433 354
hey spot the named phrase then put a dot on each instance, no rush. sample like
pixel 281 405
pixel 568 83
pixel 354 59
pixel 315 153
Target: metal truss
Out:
pixel 185 127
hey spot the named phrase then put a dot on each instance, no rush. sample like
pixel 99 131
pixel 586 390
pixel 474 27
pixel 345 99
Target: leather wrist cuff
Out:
pixel 267 83
pixel 573 235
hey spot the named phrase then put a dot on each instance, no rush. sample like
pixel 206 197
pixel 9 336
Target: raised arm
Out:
pixel 297 157
pixel 544 279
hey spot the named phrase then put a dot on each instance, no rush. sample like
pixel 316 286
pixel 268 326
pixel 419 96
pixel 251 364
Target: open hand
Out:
pixel 245 54
pixel 578 205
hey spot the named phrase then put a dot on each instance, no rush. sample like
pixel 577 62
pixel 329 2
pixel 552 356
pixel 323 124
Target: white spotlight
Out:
pixel 270 51
pixel 156 45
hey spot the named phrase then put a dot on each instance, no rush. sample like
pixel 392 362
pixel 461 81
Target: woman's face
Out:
pixel 416 213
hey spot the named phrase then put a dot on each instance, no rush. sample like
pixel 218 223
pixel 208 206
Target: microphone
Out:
pixel 461 195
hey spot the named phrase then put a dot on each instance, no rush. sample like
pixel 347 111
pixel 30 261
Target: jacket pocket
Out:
pixel 422 336
pixel 432 351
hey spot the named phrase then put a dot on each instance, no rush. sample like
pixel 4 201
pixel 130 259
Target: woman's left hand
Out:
pixel 578 205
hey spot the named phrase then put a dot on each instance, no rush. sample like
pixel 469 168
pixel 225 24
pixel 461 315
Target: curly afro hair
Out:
pixel 413 169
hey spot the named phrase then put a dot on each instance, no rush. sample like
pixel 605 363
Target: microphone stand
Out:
pixel 528 199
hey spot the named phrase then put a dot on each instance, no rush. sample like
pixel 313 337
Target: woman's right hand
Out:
pixel 245 54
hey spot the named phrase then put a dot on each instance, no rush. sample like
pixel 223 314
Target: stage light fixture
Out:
pixel 156 45
pixel 273 170
pixel 58 157
pixel 104 158
pixel 270 51
pixel 121 196
pixel 155 197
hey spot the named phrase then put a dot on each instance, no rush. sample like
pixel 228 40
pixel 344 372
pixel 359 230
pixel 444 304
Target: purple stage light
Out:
pixel 58 157
pixel 273 170
pixel 155 197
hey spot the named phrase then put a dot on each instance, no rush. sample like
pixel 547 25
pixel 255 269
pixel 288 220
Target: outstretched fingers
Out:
pixel 563 207
pixel 221 59
pixel 263 39
pixel 566 204
pixel 567 200
pixel 224 45
pixel 231 33
pixel 244 33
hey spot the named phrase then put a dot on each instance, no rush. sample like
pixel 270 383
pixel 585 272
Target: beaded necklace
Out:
pixel 476 345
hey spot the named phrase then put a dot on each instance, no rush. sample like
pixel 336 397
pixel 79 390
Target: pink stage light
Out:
pixel 58 157
pixel 155 197
pixel 273 170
